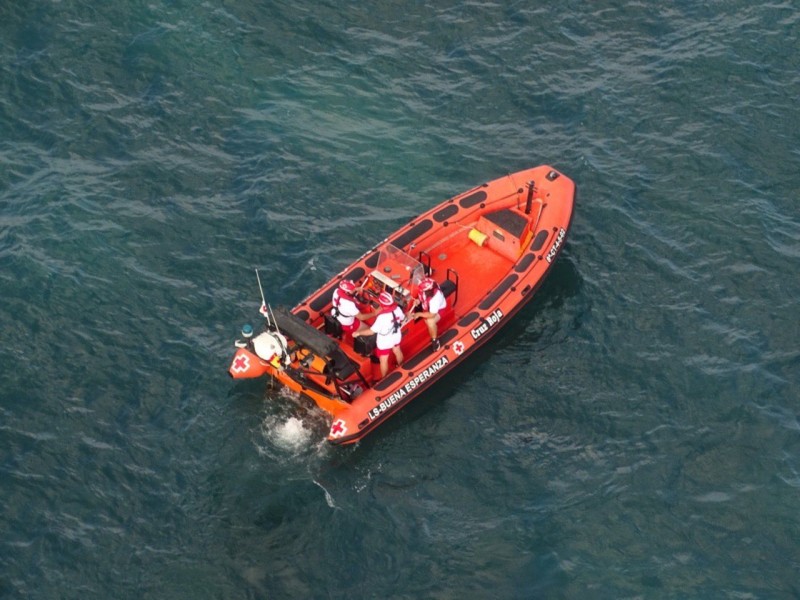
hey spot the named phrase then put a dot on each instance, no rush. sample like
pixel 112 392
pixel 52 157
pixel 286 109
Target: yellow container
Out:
pixel 477 237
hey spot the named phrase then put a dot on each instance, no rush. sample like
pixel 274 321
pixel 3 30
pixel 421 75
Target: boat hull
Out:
pixel 490 247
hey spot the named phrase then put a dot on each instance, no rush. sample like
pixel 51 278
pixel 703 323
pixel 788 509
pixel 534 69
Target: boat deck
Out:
pixel 479 269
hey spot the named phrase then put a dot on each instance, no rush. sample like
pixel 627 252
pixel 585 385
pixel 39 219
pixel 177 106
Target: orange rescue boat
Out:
pixel 489 249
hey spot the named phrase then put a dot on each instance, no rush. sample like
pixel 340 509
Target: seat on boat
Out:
pixel 507 220
pixel 448 286
pixel 504 231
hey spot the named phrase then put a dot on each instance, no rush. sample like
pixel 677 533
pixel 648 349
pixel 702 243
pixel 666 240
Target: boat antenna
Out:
pixel 284 349
pixel 263 300
pixel 274 320
pixel 269 315
pixel 529 201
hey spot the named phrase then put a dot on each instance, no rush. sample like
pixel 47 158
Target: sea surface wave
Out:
pixel 633 434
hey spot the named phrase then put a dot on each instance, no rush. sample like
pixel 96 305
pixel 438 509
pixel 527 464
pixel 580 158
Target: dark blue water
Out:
pixel 634 434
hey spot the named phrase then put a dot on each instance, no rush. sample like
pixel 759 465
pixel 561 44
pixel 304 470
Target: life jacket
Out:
pixel 337 298
pixel 425 299
pixel 397 322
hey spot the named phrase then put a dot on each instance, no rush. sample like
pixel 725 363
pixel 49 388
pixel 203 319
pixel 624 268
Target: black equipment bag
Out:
pixel 365 344
pixel 332 326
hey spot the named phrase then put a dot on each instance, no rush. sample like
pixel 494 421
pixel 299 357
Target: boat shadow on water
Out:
pixel 543 320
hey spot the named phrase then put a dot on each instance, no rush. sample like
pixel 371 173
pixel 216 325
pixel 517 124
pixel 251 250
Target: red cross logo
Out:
pixel 241 364
pixel 458 347
pixel 338 428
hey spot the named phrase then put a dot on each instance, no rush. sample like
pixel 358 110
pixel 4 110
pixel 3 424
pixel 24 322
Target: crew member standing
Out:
pixel 387 326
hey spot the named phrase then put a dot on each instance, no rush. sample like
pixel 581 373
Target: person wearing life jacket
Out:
pixel 387 327
pixel 429 303
pixel 346 310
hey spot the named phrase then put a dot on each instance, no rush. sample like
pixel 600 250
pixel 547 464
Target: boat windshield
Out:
pixel 397 270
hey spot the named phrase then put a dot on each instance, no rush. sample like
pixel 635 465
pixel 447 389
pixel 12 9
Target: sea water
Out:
pixel 633 433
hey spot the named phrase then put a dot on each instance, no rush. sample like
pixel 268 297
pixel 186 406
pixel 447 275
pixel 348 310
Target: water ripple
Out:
pixel 638 417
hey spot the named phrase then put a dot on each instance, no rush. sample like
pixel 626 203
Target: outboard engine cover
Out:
pixel 269 344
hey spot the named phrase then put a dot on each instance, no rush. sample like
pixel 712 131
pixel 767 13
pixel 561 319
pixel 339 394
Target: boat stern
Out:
pixel 246 365
pixel 257 356
pixel 344 429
